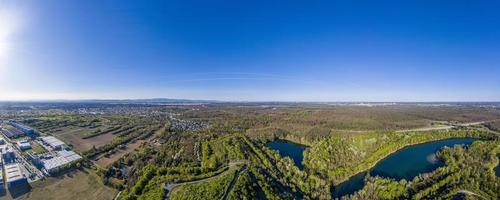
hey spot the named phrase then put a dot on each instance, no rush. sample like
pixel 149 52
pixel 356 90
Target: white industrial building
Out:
pixel 53 142
pixel 53 161
pixel 24 145
pixel 14 176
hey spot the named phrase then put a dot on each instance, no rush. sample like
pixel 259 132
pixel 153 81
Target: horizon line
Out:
pixel 241 101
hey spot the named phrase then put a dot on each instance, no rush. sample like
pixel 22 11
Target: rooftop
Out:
pixel 60 158
pixel 24 145
pixel 13 172
pixel 10 131
pixel 52 141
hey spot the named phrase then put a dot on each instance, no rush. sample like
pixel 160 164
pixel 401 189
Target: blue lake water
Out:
pixel 497 168
pixel 289 149
pixel 403 164
pixel 350 186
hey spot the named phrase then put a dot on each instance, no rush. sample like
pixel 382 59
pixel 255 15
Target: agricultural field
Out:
pixel 104 139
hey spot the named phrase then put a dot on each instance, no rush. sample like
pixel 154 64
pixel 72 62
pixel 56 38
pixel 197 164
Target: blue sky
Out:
pixel 251 50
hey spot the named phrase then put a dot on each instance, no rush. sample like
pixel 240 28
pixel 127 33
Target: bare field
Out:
pixel 73 136
pixel 100 140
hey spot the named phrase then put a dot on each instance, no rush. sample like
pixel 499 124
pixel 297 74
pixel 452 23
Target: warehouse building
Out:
pixel 12 132
pixel 14 176
pixel 23 128
pixel 24 145
pixel 53 142
pixel 54 161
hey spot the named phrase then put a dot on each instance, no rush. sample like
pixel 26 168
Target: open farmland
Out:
pixel 102 138
pixel 73 133
pixel 74 137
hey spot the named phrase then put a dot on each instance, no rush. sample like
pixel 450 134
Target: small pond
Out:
pixel 403 164
pixel 289 149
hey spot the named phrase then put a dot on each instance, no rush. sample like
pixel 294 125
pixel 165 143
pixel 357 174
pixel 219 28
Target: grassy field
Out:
pixel 74 185
pixel 36 148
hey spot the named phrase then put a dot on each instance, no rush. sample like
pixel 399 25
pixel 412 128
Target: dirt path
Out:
pixel 170 186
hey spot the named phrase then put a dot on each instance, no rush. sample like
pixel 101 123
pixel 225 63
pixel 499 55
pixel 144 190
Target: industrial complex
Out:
pixel 20 164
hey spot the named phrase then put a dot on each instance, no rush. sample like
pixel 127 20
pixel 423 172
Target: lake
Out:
pixel 403 164
pixel 350 186
pixel 289 149
pixel 497 168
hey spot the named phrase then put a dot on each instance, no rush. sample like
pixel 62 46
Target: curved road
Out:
pixel 467 192
pixel 170 186
pixel 231 185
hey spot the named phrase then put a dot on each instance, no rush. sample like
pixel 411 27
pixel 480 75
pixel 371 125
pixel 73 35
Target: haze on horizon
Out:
pixel 250 50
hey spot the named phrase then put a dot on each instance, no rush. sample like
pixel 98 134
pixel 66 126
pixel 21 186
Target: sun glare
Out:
pixel 9 25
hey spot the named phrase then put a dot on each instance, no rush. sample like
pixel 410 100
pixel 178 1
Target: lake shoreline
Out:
pixel 395 151
pixel 388 166
pixel 289 149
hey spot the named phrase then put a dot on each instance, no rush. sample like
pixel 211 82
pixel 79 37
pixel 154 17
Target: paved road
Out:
pixel 231 185
pixel 467 192
pixel 170 186
pixel 117 195
pixel 442 127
